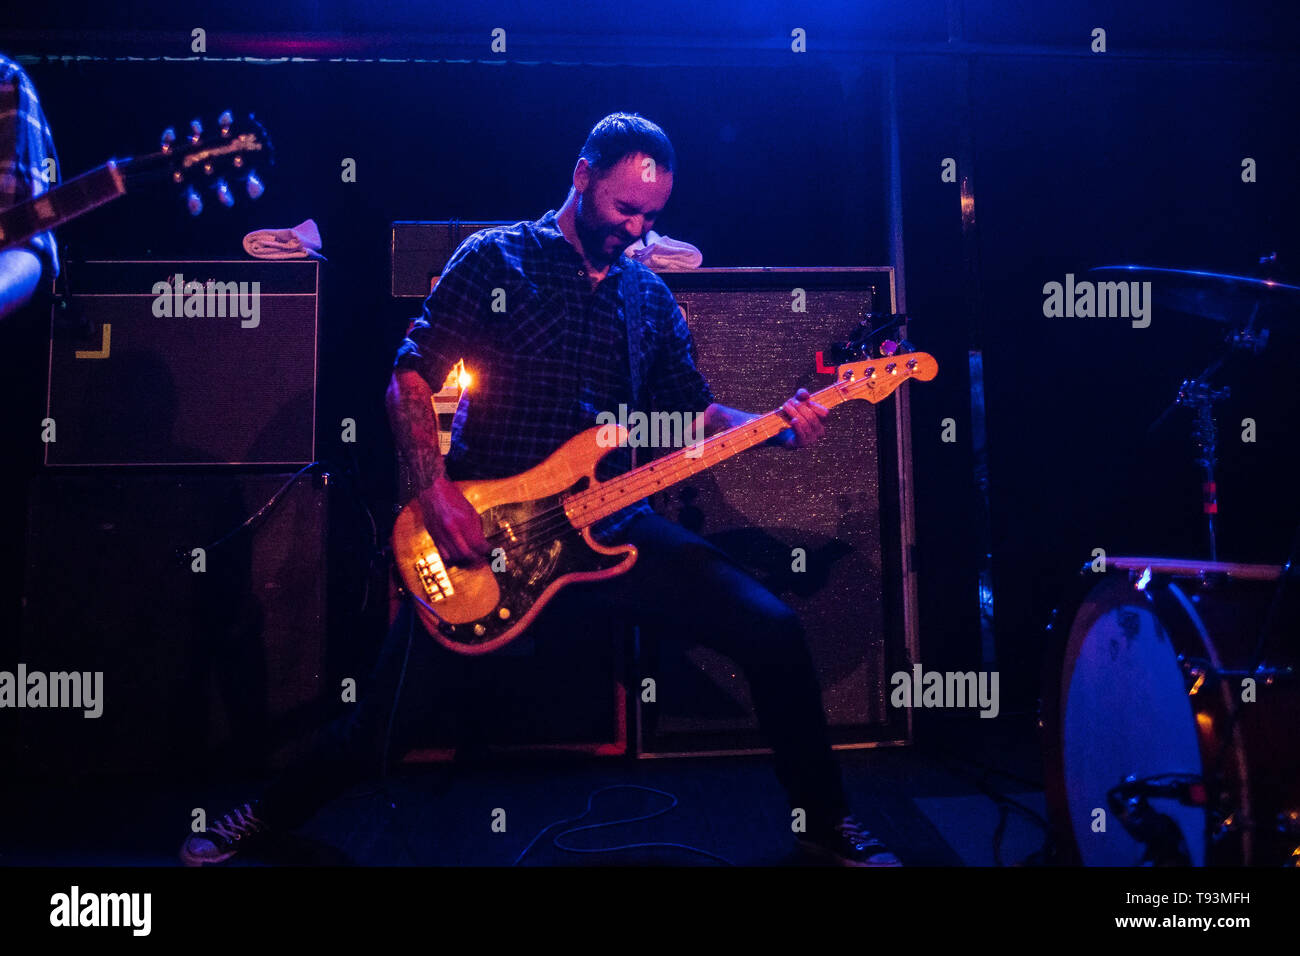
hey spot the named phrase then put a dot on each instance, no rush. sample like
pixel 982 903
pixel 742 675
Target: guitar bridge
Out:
pixel 433 576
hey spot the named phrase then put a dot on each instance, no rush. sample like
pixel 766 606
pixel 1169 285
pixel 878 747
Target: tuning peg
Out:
pixel 225 121
pixel 223 194
pixel 168 138
pixel 196 131
pixel 253 184
pixel 192 202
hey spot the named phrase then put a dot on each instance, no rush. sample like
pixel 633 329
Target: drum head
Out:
pixel 1125 712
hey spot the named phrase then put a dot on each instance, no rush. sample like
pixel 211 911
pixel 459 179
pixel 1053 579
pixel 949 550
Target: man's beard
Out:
pixel 594 238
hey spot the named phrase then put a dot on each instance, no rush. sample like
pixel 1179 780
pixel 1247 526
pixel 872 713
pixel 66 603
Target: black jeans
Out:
pixel 684 589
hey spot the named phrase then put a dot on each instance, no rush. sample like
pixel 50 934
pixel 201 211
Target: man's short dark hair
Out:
pixel 619 135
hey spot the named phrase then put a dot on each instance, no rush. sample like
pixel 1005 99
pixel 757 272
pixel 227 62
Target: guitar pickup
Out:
pixel 433 575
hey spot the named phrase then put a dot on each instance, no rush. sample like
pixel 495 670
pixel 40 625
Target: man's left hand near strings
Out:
pixel 806 420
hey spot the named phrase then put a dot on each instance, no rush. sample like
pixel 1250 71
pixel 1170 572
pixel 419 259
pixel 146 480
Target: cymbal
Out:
pixel 1213 295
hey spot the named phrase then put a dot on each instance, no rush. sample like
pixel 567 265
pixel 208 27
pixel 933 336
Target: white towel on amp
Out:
pixel 300 242
pixel 663 254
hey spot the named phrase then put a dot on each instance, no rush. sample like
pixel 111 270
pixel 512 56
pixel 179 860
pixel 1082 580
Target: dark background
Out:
pixel 1076 159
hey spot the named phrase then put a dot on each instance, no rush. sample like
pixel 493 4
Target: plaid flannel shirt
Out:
pixel 552 355
pixel 25 142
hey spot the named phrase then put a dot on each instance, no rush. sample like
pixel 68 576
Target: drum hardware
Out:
pixel 1218 296
pixel 1137 685
pixel 1228 828
pixel 867 339
pixel 1247 340
pixel 1201 670
pixel 1164 841
pixel 1161 644
pixel 1288 824
pixel 1235 301
pixel 1198 395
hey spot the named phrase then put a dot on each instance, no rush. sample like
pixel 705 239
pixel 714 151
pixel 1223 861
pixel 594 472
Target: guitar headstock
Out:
pixel 875 379
pixel 207 161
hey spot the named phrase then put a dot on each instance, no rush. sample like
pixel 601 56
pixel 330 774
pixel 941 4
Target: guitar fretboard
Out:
pixel 61 204
pixel 587 507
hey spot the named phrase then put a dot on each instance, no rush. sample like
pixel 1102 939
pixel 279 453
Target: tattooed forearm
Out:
pixel 415 428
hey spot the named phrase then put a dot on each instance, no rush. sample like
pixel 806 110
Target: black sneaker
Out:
pixel 848 844
pixel 233 833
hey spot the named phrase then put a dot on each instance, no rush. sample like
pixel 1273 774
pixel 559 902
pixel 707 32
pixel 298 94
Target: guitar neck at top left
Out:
pixel 198 162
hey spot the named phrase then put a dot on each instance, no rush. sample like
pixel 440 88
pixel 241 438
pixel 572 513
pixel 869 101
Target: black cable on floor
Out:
pixel 596 826
pixel 1004 803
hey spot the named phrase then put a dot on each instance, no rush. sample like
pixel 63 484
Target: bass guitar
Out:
pixel 539 522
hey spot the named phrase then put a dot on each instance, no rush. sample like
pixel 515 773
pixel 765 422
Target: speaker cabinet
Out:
pixel 205 665
pixel 820 527
pixel 420 251
pixel 147 369
pixel 557 690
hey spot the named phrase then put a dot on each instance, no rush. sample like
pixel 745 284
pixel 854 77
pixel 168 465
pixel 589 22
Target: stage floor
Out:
pixel 932 804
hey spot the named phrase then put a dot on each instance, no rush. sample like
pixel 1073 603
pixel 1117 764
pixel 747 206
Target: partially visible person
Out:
pixel 25 270
pixel 25 144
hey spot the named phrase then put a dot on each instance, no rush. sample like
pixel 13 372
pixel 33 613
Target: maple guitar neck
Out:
pixel 879 379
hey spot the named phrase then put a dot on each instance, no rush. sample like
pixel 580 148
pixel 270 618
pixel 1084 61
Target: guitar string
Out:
pixel 631 492
pixel 675 470
pixel 557 517
pixel 682 468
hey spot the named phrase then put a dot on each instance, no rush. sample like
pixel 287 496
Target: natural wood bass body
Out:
pixel 480 609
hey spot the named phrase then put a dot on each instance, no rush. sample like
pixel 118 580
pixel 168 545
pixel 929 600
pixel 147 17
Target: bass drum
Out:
pixel 1152 681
